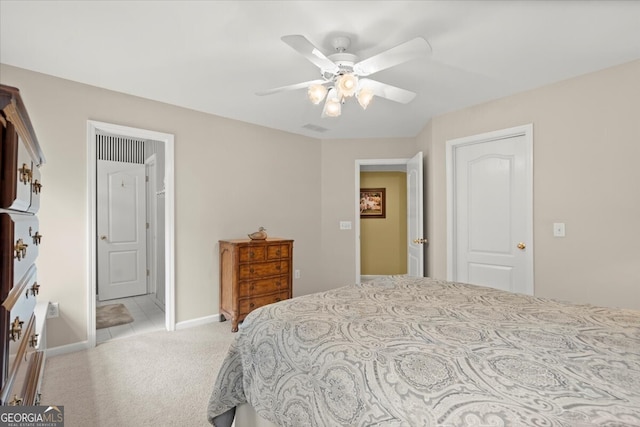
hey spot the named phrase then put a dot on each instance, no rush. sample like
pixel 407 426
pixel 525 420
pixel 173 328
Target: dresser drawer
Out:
pixel 251 253
pixel 263 269
pixel 278 251
pixel 249 304
pixel 264 286
pixel 24 234
pixel 12 390
pixel 20 177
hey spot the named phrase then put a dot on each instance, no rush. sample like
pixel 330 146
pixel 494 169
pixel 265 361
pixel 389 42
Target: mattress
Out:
pixel 407 351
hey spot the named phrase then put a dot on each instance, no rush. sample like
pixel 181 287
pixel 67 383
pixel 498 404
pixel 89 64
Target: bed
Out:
pixel 405 351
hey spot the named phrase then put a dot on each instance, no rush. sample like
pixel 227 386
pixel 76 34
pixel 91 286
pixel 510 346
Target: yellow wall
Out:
pixel 383 241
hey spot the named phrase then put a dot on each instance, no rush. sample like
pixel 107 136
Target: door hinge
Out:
pixel 147 226
pixel 148 273
pixel 146 178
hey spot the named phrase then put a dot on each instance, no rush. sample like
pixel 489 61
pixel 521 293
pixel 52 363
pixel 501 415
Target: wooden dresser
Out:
pixel 22 317
pixel 253 273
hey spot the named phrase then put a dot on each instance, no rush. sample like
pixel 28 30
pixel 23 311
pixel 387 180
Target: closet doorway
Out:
pixel 131 200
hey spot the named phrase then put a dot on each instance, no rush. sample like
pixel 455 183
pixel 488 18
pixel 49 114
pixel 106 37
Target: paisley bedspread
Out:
pixel 408 352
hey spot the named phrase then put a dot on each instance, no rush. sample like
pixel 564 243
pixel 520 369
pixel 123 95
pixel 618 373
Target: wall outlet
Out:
pixel 296 274
pixel 53 310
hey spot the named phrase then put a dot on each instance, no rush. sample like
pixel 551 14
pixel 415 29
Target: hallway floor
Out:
pixel 147 317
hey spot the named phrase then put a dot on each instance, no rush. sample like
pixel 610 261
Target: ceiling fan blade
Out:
pixel 296 86
pixel 309 51
pixel 392 93
pixel 404 52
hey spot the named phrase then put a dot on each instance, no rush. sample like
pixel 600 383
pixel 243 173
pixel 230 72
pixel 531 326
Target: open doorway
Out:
pixel 415 241
pixel 132 223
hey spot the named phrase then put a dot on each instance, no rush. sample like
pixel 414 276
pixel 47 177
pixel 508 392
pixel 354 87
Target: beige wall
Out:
pixel 586 133
pixel 339 199
pixel 231 177
pixel 383 241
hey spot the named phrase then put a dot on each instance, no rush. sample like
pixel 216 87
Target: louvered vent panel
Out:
pixel 120 149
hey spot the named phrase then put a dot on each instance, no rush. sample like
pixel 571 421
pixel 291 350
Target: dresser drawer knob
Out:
pixel 36 187
pixel 252 254
pixel 277 267
pixel 25 174
pixel 16 329
pixel 251 305
pixel 21 249
pixel 15 401
pixel 277 299
pixel 251 270
pixel 35 289
pixel 278 252
pixel 33 342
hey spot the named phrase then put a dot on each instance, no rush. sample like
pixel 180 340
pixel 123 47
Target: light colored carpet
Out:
pixel 155 379
pixel 112 315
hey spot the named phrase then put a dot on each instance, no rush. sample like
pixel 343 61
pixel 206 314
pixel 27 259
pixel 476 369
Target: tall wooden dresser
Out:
pixel 22 318
pixel 253 273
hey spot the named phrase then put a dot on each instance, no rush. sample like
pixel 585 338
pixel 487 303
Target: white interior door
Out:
pixel 415 221
pixel 491 213
pixel 121 226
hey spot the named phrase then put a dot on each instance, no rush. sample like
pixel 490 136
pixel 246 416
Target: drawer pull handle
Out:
pixel 25 174
pixel 36 187
pixel 15 401
pixel 277 299
pixel 35 289
pixel 252 254
pixel 21 249
pixel 37 238
pixel 251 305
pixel 33 342
pixel 278 252
pixel 277 267
pixel 251 270
pixel 16 329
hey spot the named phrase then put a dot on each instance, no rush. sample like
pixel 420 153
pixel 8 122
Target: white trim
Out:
pixel 451 146
pixel 69 348
pixel 168 140
pixel 198 322
pixel 356 194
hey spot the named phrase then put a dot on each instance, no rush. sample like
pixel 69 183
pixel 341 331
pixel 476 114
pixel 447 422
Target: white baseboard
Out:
pixel 198 322
pixel 84 345
pixel 68 348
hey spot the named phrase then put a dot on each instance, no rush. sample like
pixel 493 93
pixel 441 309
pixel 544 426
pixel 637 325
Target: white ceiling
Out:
pixel 212 56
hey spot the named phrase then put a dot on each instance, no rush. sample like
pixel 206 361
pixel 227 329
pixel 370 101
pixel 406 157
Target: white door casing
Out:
pixel 415 208
pixel 490 209
pixel 122 257
pixel 167 233
pixel 415 221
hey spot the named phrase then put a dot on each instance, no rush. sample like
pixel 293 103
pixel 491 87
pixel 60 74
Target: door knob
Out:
pixel 522 246
pixel 420 241
pixel 103 237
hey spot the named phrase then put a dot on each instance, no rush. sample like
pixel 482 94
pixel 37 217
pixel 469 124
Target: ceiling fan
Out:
pixel 343 75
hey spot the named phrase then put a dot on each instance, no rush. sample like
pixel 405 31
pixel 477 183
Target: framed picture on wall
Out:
pixel 372 203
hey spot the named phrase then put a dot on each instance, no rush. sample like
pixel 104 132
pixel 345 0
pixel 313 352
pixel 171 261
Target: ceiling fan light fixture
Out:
pixel 347 84
pixel 332 106
pixel 316 93
pixel 365 96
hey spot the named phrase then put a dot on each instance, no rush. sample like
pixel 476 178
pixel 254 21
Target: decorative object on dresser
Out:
pixel 22 318
pixel 253 273
pixel 261 234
